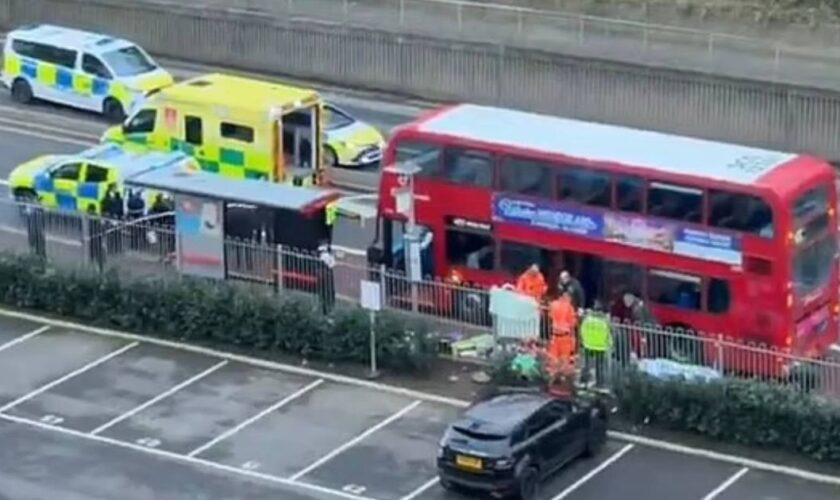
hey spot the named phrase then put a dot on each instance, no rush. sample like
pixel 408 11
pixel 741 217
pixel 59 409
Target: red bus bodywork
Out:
pixel 764 309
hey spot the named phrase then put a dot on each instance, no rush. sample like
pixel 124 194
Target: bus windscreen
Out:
pixel 816 249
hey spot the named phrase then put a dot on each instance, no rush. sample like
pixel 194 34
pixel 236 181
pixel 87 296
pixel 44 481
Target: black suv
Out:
pixel 508 443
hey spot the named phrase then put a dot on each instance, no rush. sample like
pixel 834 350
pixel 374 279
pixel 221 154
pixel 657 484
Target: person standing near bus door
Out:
pixel 568 283
pixel 596 341
pixel 564 320
pixel 532 283
pixel 644 323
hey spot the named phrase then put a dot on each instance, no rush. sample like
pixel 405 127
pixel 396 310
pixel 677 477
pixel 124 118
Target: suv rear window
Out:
pixel 480 436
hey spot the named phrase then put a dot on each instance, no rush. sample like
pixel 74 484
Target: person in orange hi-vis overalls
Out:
pixel 532 283
pixel 564 320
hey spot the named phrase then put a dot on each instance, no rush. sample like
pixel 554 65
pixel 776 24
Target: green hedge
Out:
pixel 742 411
pixel 216 313
pixel 733 410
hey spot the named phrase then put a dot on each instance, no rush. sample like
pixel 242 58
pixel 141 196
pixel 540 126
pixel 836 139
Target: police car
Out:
pixel 80 69
pixel 509 442
pixel 350 142
pixel 79 182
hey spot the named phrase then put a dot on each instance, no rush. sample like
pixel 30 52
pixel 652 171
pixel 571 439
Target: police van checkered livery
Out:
pixel 79 69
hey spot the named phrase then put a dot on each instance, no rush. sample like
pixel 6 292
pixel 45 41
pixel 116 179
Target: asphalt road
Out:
pixel 30 131
pixel 755 59
pixel 85 416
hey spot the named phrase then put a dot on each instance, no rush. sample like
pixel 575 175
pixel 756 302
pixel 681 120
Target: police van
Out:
pixel 80 69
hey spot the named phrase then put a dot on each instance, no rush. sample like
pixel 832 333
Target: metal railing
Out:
pixel 461 317
pixel 552 29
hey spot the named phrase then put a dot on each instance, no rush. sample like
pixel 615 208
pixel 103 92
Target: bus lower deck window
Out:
pixel 674 289
pixel 475 251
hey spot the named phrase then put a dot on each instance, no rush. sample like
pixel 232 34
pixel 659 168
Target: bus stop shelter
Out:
pixel 214 212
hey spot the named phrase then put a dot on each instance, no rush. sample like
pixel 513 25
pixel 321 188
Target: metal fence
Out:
pixel 460 315
pixel 622 40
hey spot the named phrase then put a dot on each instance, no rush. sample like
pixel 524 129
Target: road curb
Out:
pixel 421 395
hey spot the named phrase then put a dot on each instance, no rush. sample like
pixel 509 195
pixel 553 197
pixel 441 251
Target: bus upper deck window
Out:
pixel 526 176
pixel 740 212
pixel 629 194
pixel 675 202
pixel 424 155
pixel 469 167
pixel 589 187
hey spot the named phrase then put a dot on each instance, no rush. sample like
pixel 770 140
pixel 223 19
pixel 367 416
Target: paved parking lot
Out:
pixel 88 416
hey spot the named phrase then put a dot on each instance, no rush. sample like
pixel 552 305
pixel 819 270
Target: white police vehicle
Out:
pixel 79 69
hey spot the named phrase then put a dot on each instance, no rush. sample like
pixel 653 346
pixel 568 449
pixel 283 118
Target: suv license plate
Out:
pixel 468 462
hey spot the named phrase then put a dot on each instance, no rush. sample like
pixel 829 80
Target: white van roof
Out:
pixel 607 143
pixel 68 38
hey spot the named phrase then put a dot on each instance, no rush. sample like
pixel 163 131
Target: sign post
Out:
pixel 404 198
pixel 372 301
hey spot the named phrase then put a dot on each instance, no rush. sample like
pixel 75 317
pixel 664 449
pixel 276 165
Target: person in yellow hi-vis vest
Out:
pixel 596 340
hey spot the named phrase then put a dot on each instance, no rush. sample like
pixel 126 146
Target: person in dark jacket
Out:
pixel 112 203
pixel 113 209
pixel 644 324
pixel 136 208
pixel 570 284
pixel 164 224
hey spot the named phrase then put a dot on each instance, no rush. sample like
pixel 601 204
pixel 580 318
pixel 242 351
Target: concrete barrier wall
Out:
pixel 761 114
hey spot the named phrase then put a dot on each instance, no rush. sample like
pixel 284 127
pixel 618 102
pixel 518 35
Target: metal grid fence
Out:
pixel 147 247
pixel 548 29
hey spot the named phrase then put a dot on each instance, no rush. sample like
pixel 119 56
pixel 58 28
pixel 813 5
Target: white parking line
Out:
pixel 726 484
pixel 230 432
pixel 64 378
pixel 23 338
pixel 182 458
pixel 349 444
pixel 656 444
pixel 421 489
pixel 159 397
pixel 594 472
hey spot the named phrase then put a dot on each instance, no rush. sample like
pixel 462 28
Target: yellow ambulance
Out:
pixel 237 127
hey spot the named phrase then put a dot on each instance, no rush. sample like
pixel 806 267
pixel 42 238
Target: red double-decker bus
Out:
pixel 715 237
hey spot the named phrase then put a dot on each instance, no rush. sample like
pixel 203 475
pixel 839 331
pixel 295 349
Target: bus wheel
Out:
pixel 684 345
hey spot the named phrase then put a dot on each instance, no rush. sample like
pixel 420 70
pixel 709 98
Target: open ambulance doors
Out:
pixel 297 143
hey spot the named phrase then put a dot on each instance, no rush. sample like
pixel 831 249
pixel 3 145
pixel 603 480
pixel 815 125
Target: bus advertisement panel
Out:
pixel 715 238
